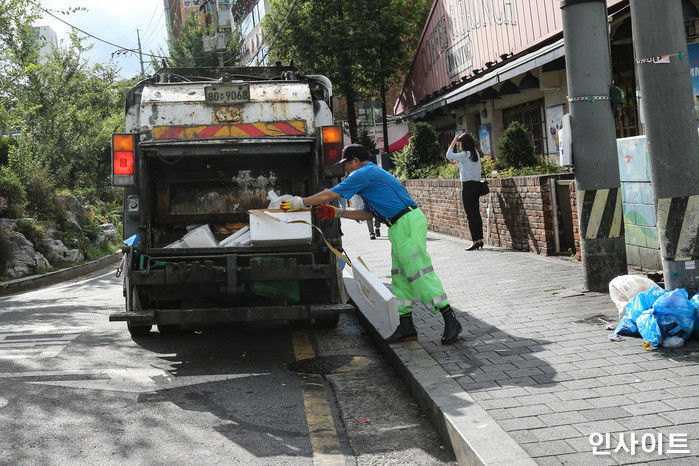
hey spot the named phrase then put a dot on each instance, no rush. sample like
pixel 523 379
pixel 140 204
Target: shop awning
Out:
pixel 516 67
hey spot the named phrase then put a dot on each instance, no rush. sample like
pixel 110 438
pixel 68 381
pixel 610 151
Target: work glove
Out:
pixel 328 212
pixel 293 204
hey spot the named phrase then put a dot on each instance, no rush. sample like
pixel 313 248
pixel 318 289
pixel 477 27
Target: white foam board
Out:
pixel 373 299
pixel 233 238
pixel 200 237
pixel 267 231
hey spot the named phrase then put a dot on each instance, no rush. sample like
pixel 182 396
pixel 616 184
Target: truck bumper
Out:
pixel 235 314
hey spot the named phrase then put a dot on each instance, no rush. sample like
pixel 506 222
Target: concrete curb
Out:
pixel 38 281
pixel 473 436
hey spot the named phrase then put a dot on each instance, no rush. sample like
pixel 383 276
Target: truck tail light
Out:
pixel 332 145
pixel 123 159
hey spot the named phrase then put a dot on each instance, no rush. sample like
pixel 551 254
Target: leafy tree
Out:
pixel 384 27
pixel 187 50
pixel 320 37
pixel 515 148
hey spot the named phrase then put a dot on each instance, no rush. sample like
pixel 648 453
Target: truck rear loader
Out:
pixel 204 146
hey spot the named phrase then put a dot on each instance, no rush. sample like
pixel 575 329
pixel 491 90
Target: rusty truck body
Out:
pixel 204 146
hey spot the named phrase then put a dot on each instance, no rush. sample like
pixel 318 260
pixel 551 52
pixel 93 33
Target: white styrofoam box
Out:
pixel 242 241
pixel 226 242
pixel 200 237
pixel 268 231
pixel 177 244
pixel 373 299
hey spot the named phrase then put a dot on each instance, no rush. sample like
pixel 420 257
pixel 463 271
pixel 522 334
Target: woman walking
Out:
pixel 470 173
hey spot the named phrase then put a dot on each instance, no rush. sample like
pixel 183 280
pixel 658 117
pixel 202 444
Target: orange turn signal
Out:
pixel 332 134
pixel 122 142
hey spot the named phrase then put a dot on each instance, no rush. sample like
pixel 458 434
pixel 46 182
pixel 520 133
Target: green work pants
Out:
pixel 412 275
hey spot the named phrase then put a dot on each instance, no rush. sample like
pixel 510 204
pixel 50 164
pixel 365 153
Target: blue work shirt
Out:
pixel 384 196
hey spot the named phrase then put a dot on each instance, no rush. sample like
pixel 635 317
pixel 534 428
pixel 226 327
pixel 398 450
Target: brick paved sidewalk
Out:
pixel 536 356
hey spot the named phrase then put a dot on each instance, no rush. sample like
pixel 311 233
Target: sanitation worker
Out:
pixel 386 199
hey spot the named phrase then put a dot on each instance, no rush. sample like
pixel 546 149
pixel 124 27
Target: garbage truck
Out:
pixel 203 148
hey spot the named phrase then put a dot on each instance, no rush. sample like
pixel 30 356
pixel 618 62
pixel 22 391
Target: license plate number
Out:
pixel 217 95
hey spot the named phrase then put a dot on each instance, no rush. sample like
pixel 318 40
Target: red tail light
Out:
pixel 123 159
pixel 332 145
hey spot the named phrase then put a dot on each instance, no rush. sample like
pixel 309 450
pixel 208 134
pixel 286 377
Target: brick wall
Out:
pixel 576 224
pixel 521 216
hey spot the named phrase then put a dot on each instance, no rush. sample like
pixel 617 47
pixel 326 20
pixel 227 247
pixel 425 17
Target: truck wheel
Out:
pixel 328 322
pixel 138 331
pixel 169 329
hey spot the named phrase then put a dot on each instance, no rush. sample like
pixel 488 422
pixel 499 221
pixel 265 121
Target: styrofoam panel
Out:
pixel 373 299
pixel 233 238
pixel 266 231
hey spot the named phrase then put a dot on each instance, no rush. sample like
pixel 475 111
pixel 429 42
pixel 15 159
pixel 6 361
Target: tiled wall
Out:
pixel 642 246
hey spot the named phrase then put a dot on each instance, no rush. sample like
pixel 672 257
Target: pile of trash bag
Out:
pixel 660 317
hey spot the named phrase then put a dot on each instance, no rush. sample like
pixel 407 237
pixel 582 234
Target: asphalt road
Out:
pixel 76 388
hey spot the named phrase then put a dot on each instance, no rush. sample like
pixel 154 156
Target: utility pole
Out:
pixel 662 67
pixel 593 135
pixel 140 55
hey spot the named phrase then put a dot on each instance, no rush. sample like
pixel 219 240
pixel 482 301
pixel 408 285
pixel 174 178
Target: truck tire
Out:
pixel 328 322
pixel 138 331
pixel 169 329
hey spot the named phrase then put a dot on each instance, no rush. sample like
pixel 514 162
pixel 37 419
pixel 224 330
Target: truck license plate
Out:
pixel 227 94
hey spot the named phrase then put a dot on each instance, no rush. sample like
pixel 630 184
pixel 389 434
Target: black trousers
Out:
pixel 470 195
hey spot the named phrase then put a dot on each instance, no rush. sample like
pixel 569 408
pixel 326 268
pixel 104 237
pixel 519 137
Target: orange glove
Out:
pixel 296 203
pixel 327 212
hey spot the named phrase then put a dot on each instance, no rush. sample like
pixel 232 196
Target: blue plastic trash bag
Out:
pixel 643 301
pixel 695 302
pixel 134 240
pixel 649 329
pixel 627 327
pixel 640 303
pixel 672 315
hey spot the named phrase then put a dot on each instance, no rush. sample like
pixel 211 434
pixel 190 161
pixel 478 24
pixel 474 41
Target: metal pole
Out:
pixel 593 136
pixel 140 56
pixel 662 67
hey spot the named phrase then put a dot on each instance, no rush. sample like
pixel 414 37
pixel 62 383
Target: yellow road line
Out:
pixel 321 425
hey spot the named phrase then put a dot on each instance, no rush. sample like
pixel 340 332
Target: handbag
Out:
pixel 485 189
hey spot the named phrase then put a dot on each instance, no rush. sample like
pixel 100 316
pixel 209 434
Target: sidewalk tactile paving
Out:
pixel 536 344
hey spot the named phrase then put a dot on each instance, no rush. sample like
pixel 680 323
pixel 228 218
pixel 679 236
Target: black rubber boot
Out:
pixel 452 327
pixel 405 331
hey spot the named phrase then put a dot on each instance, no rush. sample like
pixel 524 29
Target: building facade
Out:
pixel 47 40
pixel 482 64
pixel 253 51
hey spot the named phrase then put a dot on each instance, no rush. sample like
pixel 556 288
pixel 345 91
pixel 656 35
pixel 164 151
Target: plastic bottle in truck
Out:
pixel 202 148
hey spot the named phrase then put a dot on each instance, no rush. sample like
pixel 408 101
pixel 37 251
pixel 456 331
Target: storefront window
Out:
pixel 532 116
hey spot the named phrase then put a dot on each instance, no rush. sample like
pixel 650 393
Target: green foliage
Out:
pixel 5 248
pixel 488 166
pixel 5 144
pixel 400 163
pixel 515 148
pixel 40 196
pixel 544 166
pixel 187 50
pixel 34 233
pixel 424 150
pixel 367 141
pixel 14 193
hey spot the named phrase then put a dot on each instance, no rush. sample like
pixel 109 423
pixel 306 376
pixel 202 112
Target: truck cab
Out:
pixel 204 146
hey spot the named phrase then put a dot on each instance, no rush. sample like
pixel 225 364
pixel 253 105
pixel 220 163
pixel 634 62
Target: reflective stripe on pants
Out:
pixel 412 273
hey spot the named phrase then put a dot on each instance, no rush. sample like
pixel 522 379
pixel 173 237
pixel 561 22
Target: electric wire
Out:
pixel 100 39
pixel 274 39
pixel 155 10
